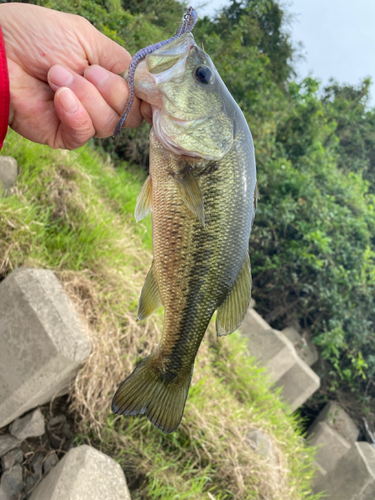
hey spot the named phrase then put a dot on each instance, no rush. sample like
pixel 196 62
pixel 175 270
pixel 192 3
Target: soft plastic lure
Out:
pixel 188 23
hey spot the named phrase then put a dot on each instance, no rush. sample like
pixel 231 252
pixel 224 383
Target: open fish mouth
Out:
pixel 166 57
pixel 165 64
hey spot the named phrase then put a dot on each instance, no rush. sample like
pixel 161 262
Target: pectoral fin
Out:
pixel 143 206
pixel 190 193
pixel 232 311
pixel 150 298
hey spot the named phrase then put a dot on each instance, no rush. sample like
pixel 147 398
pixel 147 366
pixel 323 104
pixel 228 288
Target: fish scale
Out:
pixel 201 194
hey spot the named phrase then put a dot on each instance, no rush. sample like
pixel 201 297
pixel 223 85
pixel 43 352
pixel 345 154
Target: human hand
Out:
pixel 64 83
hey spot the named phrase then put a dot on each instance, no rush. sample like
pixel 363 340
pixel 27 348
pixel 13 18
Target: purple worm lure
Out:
pixel 188 23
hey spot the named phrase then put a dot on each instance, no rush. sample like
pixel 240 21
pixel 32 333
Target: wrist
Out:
pixel 4 91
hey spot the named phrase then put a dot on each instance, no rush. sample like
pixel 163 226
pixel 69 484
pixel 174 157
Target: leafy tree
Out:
pixel 355 127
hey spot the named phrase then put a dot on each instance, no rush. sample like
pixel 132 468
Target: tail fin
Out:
pixel 157 393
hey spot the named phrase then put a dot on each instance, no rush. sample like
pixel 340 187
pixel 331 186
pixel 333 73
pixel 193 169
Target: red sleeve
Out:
pixel 4 91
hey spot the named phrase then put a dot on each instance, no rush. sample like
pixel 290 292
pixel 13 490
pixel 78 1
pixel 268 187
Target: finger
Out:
pixel 76 127
pixel 114 90
pixel 103 116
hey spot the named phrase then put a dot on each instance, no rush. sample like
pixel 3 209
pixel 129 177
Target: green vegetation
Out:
pixel 312 246
pixel 73 213
pixel 312 243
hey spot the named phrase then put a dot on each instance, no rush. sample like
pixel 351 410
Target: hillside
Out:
pixel 72 213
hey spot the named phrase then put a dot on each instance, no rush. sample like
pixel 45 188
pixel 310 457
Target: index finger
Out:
pixel 115 92
pixel 102 50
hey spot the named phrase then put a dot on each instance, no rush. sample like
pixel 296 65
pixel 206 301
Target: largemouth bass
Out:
pixel 201 194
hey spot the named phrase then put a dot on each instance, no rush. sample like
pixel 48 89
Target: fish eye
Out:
pixel 203 74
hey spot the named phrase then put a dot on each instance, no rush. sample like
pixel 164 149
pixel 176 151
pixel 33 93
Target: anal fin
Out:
pixel 190 193
pixel 232 311
pixel 143 206
pixel 150 297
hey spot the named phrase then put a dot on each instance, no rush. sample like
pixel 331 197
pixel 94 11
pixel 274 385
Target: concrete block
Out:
pixel 8 174
pixel 42 341
pixel 298 383
pixel 2 494
pixel 275 351
pixel 269 349
pixel 319 473
pixel 305 349
pixel 254 323
pixel 332 446
pixel 31 425
pixel 84 473
pixel 353 478
pixel 333 415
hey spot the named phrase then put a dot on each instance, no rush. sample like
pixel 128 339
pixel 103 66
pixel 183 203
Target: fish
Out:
pixel 201 194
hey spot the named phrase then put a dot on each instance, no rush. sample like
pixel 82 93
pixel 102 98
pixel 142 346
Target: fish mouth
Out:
pixel 175 48
pixel 161 66
pixel 168 56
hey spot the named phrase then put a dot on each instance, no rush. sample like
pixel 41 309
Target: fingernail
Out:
pixel 68 100
pixel 60 76
pixel 96 75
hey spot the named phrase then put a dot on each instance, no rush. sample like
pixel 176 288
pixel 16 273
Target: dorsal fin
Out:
pixel 143 206
pixel 232 311
pixel 150 297
pixel 190 193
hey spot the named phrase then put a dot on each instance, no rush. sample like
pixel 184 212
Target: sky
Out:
pixel 338 38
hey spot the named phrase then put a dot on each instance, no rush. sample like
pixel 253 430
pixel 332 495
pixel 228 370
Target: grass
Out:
pixel 74 214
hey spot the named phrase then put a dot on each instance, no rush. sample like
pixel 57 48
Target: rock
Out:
pixel 334 416
pixel 37 464
pixel 276 353
pixel 67 431
pixel 31 425
pixel 331 445
pixel 305 349
pixel 83 473
pixel 11 458
pixel 42 341
pixel 50 462
pixel 7 443
pixel 57 420
pixel 261 444
pixel 353 478
pixel 29 483
pixel 8 174
pixel 12 482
